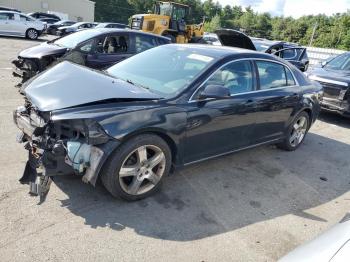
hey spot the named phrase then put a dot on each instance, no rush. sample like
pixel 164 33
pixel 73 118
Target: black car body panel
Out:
pixel 195 129
pixel 336 86
pixel 36 59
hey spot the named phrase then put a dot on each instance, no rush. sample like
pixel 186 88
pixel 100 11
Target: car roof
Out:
pixel 224 51
pixel 115 30
pixel 13 12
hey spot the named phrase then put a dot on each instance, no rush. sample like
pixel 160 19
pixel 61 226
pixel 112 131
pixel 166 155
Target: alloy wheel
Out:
pixel 142 170
pixel 32 34
pixel 298 131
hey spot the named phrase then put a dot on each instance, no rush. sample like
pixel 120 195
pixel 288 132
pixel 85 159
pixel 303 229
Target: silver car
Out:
pixel 18 24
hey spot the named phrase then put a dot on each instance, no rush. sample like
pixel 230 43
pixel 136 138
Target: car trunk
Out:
pixel 234 38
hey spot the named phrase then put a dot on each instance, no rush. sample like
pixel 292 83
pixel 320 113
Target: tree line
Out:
pixel 328 31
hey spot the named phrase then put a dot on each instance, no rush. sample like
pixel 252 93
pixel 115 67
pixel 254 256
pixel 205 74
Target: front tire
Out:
pixel 136 169
pixel 296 132
pixel 32 34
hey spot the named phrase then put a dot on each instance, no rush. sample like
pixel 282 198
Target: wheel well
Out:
pixel 309 112
pixel 165 137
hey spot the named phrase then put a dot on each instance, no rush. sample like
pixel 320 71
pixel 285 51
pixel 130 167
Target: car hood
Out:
pixel 322 74
pixel 234 38
pixel 68 85
pixel 41 50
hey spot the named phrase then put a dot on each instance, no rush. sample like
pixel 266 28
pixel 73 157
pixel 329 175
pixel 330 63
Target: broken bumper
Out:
pixel 48 157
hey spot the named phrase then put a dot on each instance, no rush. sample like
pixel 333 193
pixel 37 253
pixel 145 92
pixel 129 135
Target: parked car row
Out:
pixel 164 107
pixel 32 25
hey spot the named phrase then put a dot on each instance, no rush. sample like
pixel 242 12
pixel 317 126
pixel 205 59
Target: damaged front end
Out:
pixel 60 147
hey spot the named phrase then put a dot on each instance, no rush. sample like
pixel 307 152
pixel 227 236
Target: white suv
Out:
pixel 18 24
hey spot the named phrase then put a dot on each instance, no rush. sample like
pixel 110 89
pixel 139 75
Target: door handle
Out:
pixel 250 101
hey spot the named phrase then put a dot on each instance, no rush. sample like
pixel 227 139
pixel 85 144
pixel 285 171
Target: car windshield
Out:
pixel 166 70
pixel 341 62
pixel 71 41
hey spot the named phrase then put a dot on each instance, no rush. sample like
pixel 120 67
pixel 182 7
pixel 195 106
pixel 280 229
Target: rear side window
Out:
pixel 7 16
pixel 273 75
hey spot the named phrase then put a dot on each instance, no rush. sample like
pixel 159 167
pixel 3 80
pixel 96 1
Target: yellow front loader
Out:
pixel 169 20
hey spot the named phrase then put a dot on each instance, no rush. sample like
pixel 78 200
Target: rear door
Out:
pixel 277 98
pixel 109 50
pixel 7 23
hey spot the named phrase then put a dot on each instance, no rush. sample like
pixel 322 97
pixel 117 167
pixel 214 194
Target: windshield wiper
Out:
pixel 134 84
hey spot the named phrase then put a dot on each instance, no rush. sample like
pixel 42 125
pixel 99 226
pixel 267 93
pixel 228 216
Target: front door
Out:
pixel 216 126
pixel 109 50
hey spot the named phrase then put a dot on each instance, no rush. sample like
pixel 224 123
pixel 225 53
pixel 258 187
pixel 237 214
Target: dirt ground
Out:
pixel 256 205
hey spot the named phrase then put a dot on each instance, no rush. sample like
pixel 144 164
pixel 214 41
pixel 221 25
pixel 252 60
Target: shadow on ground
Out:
pixel 223 194
pixel 334 119
pixel 40 39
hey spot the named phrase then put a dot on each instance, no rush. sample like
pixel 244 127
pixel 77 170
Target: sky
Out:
pixel 294 8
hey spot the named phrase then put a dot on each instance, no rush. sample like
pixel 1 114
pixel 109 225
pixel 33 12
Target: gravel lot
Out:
pixel 255 205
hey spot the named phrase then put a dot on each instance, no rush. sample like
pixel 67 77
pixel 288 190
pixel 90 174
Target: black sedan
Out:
pixel 169 106
pixel 334 76
pixel 52 29
pixel 95 48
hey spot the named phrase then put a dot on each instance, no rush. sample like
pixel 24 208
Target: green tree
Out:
pixel 213 24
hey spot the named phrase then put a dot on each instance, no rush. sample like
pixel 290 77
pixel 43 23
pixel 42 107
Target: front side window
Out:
pixel 24 18
pixel 236 76
pixel 72 40
pixel 113 44
pixel 164 70
pixel 273 75
pixel 144 42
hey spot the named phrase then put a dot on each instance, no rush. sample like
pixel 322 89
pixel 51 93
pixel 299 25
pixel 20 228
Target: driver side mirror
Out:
pixel 215 91
pixel 324 63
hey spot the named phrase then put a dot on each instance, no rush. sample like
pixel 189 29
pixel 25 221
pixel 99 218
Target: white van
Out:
pixel 18 24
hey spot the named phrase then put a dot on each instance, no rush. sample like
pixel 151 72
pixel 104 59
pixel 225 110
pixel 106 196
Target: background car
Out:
pixel 96 48
pixel 52 29
pixel 172 105
pixel 18 24
pixel 334 76
pixel 38 15
pixel 5 8
pixel 112 25
pixel 49 21
pixel 331 246
pixel 291 52
pixel 65 30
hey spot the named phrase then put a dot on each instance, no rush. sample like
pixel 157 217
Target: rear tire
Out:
pixel 296 132
pixel 136 169
pixel 32 34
